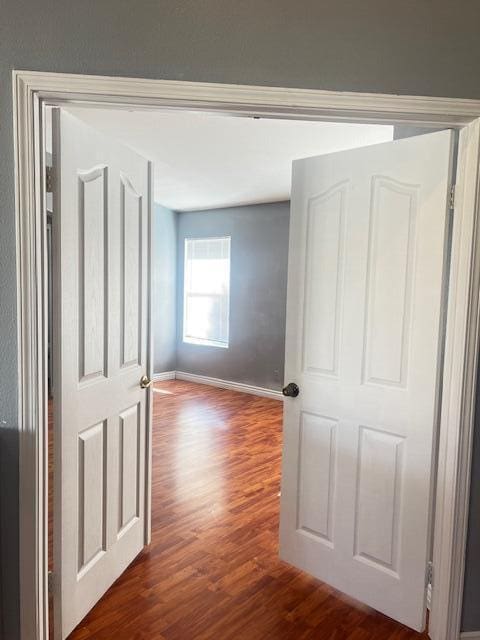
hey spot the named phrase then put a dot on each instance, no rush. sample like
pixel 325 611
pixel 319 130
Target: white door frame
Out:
pixel 33 90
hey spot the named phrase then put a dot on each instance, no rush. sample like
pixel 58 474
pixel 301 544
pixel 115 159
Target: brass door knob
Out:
pixel 145 382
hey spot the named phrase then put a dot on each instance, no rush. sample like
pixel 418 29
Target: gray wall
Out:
pixel 471 599
pixel 164 292
pixel 410 47
pixel 409 131
pixel 258 288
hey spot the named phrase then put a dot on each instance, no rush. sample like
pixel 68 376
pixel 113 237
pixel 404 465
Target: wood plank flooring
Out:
pixel 212 570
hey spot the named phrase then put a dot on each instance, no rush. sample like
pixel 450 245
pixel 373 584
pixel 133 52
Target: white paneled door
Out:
pixel 364 317
pixel 102 209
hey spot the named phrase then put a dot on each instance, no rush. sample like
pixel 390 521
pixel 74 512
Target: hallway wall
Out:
pixel 164 289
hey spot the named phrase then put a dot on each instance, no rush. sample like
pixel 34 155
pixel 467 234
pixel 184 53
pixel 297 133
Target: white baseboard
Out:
pixel 165 375
pixel 227 384
pixel 470 635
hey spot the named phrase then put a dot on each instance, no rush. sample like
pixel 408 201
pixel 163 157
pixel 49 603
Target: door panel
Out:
pixel 323 296
pixel 131 212
pixel 129 480
pixel 389 286
pixel 366 263
pixel 317 476
pixel 93 284
pixel 102 417
pixel 91 496
pixel 379 475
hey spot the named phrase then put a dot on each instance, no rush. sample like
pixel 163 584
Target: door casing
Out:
pixel 33 91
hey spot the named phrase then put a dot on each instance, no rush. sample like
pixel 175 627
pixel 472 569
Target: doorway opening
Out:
pixel 220 232
pixel 34 90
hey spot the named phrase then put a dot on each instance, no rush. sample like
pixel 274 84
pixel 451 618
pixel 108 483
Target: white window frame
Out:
pixel 33 91
pixel 203 341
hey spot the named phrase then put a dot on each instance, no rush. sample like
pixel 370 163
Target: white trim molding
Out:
pixel 459 395
pixel 165 375
pixel 34 90
pixel 32 363
pixel 228 384
pixel 470 635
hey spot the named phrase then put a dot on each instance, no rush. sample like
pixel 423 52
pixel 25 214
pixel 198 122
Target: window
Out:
pixel 206 297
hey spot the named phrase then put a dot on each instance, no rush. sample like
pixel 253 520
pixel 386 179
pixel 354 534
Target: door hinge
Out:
pixel 50 582
pixel 451 200
pixel 430 574
pixel 49 179
pixel 429 582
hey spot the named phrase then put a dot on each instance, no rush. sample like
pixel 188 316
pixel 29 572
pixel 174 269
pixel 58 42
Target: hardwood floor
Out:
pixel 212 570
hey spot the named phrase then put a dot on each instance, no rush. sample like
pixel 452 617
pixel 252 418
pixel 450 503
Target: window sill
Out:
pixel 205 343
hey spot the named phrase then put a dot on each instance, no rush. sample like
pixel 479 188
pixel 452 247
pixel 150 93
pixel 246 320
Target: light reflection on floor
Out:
pixel 196 478
pixel 162 391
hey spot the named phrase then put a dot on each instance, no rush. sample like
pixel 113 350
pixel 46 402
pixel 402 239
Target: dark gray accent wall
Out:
pixel 410 47
pixel 258 293
pixel 471 598
pixel 409 131
pixel 164 290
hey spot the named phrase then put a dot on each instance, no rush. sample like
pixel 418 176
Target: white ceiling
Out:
pixel 205 161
